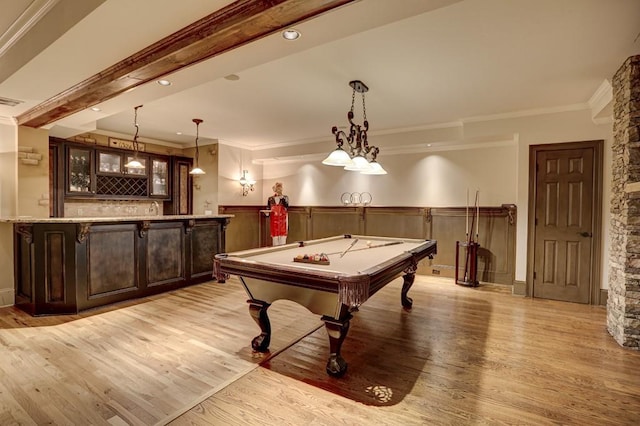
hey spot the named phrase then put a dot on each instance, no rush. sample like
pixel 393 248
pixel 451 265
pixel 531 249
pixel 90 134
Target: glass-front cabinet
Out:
pixel 116 162
pixel 101 173
pixel 159 177
pixel 80 171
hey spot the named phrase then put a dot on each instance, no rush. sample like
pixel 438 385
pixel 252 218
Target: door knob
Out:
pixel 585 234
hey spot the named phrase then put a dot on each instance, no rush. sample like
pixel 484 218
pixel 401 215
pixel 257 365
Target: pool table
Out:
pixel 337 275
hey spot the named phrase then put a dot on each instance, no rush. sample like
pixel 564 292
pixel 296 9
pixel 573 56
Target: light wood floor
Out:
pixel 462 356
pixel 140 363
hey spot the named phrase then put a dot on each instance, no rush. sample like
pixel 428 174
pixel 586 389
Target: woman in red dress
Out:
pixel 277 205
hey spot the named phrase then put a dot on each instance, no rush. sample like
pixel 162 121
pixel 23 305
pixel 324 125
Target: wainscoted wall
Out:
pixel 496 232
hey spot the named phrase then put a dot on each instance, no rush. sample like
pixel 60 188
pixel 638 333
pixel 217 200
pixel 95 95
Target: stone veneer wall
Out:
pixel 623 302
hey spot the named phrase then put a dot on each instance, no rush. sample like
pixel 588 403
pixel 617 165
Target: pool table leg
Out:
pixel 337 331
pixel 409 278
pixel 258 311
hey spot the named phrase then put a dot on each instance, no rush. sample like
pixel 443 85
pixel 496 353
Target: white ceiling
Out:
pixel 426 62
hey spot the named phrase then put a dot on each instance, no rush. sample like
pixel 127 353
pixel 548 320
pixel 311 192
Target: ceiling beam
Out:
pixel 233 26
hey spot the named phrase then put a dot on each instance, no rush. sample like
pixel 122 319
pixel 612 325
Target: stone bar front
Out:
pixel 67 265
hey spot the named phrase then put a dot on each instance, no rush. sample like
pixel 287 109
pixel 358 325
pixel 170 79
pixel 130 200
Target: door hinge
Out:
pixel 535 222
pixel 534 275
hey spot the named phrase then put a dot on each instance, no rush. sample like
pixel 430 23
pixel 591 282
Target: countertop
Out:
pixel 30 219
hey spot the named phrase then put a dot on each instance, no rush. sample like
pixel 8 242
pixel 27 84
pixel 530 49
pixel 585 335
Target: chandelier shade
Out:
pixel 134 164
pixel 374 169
pixel 339 157
pixel 359 164
pixel 357 154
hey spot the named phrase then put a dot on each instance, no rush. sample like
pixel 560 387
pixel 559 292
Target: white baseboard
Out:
pixel 7 297
pixel 519 288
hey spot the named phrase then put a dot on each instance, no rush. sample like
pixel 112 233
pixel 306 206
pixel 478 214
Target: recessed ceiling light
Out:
pixel 291 34
pixel 96 109
pixel 178 133
pixel 232 77
pixel 164 82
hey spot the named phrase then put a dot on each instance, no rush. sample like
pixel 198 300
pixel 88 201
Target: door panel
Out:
pixel 563 216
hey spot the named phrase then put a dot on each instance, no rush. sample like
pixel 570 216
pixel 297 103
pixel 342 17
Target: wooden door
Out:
pixel 564 225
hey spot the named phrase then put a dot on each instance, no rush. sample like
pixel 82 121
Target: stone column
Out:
pixel 623 302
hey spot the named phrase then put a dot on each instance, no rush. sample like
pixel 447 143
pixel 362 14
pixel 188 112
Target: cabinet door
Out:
pixel 109 162
pixel 160 178
pixel 79 171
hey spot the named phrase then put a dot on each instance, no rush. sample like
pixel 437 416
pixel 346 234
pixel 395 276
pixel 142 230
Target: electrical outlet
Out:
pixel 435 271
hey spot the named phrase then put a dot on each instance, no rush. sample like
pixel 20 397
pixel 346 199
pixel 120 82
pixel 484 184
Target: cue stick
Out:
pixel 466 219
pixel 370 247
pixel 353 243
pixel 477 214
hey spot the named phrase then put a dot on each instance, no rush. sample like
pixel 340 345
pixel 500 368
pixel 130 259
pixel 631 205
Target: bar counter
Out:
pixel 68 265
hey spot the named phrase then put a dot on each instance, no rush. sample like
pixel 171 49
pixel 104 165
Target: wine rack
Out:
pixel 122 186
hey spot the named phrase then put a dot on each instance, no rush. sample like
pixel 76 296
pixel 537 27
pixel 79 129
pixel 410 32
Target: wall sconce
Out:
pixel 247 183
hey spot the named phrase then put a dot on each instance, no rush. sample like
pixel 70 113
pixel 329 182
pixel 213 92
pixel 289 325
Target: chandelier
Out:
pixel 197 170
pixel 361 156
pixel 135 162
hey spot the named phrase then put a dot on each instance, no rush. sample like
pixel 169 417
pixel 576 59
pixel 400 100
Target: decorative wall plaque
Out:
pixel 125 144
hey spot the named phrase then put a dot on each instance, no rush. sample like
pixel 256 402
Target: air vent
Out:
pixel 9 102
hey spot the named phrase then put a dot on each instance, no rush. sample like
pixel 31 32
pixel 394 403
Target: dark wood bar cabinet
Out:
pixel 67 265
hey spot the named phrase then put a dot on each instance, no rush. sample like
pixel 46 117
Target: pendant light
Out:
pixel 135 163
pixel 197 170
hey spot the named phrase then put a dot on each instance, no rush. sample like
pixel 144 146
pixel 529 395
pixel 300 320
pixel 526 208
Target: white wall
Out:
pixel 436 178
pixel 8 205
pixel 490 154
pixel 33 180
pixel 205 187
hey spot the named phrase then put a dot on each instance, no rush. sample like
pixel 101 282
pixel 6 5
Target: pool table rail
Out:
pixel 354 288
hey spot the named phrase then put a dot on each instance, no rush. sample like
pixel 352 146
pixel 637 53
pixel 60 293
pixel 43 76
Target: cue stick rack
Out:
pixel 470 247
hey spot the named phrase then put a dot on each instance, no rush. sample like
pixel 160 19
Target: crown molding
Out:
pixel 31 15
pixel 601 103
pixel 526 113
pixel 8 121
